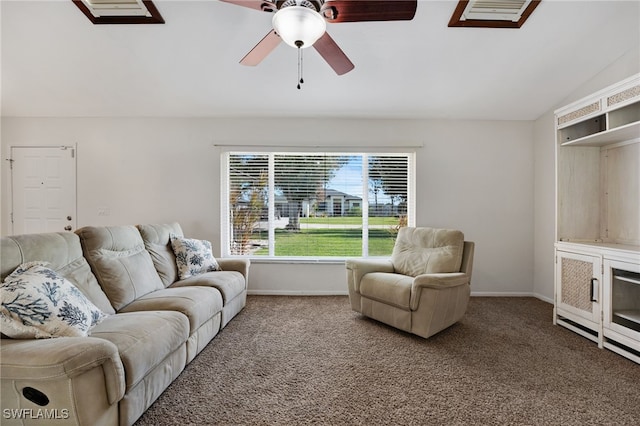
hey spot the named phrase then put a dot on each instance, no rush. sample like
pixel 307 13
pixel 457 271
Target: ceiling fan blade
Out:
pixel 263 5
pixel 262 49
pixel 368 10
pixel 331 52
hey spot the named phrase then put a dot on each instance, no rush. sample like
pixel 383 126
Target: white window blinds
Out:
pixel 315 205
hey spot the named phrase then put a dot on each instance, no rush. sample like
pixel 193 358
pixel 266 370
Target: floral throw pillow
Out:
pixel 36 302
pixel 193 257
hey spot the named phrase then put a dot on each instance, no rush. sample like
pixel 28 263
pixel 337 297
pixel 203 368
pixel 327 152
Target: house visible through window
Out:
pixel 318 205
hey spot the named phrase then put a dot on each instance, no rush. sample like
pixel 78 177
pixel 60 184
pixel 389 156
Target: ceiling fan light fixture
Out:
pixel 299 26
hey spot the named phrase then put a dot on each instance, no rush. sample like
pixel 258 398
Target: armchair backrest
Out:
pixel 428 251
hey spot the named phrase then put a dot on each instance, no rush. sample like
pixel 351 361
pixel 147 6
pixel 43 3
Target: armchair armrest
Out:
pixel 357 268
pixel 441 280
pixel 437 282
pixel 62 358
pixel 238 265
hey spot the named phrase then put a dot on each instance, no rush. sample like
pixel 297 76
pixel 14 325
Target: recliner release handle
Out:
pixel 35 396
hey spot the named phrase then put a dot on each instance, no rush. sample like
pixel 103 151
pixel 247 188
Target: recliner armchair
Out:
pixel 424 287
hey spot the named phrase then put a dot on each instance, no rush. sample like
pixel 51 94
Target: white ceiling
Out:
pixel 56 63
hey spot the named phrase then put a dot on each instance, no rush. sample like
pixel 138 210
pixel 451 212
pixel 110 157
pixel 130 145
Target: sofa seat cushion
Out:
pixel 392 289
pixel 143 339
pixel 199 304
pixel 229 283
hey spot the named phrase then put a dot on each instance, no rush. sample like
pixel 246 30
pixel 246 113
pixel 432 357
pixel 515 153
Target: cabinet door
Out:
pixel 578 285
pixel 621 299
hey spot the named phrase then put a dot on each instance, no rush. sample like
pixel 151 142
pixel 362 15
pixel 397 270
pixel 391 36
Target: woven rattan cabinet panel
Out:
pixel 579 288
pixel 575 273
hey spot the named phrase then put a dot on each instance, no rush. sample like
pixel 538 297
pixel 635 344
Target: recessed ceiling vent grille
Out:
pixel 120 11
pixel 116 8
pixel 492 13
pixel 502 10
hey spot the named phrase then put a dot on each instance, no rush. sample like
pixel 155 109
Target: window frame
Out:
pixel 270 152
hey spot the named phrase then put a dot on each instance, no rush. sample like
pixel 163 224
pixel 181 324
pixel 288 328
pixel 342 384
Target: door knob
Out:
pixel 69 218
pixel 68 228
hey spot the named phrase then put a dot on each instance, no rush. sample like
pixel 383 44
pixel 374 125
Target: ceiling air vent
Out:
pixel 492 13
pixel 120 11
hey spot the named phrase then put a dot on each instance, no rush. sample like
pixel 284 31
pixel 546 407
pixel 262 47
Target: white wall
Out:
pixel 544 154
pixel 544 201
pixel 476 176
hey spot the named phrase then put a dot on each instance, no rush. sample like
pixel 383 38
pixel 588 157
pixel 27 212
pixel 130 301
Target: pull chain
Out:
pixel 300 79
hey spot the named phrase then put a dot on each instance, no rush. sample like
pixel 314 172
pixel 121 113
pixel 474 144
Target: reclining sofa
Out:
pixel 154 324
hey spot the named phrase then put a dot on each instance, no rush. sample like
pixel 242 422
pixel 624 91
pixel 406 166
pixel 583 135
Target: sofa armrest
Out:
pixel 238 265
pixel 358 268
pixel 62 358
pixel 436 282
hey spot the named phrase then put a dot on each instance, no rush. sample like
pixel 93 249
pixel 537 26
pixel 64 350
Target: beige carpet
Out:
pixel 312 360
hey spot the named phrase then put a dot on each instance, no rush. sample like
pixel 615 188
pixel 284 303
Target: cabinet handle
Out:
pixel 593 292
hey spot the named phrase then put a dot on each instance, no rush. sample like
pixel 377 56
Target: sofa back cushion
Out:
pixel 37 302
pixel 63 253
pixel 427 251
pixel 158 244
pixel 120 262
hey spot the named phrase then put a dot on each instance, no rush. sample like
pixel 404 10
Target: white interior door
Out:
pixel 43 189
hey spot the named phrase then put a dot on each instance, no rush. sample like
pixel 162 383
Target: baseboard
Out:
pixel 295 293
pixel 501 294
pixel 543 298
pixel 510 294
pixel 345 293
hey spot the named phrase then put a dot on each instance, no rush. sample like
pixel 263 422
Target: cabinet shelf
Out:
pixel 619 134
pixel 630 315
pixel 610 249
pixel 627 279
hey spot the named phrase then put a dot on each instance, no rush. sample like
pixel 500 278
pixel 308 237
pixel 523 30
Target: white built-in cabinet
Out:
pixel 597 250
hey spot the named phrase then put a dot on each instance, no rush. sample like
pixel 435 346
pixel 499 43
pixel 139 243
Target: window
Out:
pixel 315 205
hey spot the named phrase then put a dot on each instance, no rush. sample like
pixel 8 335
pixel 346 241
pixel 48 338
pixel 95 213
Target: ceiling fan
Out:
pixel 302 24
